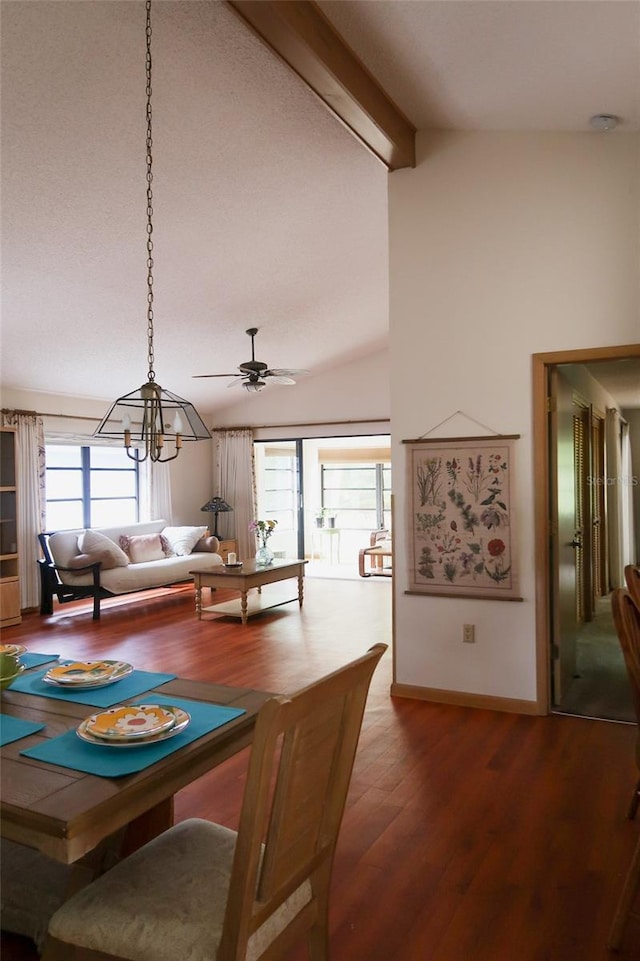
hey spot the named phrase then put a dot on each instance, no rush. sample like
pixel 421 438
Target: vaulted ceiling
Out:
pixel 268 212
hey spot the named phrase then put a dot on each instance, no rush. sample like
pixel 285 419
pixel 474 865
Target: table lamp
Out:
pixel 219 506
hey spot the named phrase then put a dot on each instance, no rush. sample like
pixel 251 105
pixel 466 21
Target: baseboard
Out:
pixel 465 699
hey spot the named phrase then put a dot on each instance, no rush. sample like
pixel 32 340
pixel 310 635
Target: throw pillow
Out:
pixel 86 560
pixel 208 544
pixel 182 540
pixel 143 547
pixel 92 542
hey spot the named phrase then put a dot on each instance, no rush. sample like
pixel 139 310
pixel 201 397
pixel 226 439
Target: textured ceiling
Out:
pixel 267 212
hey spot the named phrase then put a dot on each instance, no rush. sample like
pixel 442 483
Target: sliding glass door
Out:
pixel 279 485
pixel 327 494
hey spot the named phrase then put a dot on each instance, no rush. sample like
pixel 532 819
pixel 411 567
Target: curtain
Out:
pixel 614 499
pixel 235 482
pixel 31 500
pixel 159 492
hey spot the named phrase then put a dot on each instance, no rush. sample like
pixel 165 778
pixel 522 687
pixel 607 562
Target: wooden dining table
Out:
pixel 67 814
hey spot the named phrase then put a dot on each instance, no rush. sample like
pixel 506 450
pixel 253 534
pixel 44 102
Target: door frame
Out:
pixel 542 480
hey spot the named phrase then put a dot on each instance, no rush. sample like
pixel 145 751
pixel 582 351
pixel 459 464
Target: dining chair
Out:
pixel 204 892
pixel 626 617
pixel 632 580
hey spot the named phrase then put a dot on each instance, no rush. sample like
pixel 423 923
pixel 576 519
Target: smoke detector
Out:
pixel 604 121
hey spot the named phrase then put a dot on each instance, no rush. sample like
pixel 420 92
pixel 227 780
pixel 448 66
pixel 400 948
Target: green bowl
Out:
pixel 10 669
pixel 6 682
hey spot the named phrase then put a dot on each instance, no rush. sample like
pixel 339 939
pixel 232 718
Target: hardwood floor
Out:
pixel 470 835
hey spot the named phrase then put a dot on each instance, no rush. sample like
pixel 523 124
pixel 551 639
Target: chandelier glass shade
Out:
pixel 147 418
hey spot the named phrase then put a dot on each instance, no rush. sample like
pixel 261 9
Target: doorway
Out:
pixel 580 666
pixel 328 495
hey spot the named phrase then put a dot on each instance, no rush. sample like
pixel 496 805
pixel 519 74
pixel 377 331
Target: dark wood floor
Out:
pixel 470 835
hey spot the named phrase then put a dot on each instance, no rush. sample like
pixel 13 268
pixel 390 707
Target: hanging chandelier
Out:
pixel 150 417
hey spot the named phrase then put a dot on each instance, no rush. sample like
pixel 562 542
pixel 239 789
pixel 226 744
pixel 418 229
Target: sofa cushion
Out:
pixel 182 540
pixel 86 560
pixel 208 544
pixel 144 547
pixel 90 542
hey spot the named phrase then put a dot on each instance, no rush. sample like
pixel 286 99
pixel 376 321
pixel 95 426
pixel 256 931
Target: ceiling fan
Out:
pixel 254 373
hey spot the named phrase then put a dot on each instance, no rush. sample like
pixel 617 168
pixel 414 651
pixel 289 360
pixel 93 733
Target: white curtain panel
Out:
pixel 159 492
pixel 235 482
pixel 31 500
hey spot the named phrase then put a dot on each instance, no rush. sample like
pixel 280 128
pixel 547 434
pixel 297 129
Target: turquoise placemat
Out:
pixel 107 761
pixel 13 728
pixel 31 659
pixel 137 683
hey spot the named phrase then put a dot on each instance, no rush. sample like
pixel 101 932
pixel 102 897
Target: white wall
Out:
pixel 501 246
pixel 354 392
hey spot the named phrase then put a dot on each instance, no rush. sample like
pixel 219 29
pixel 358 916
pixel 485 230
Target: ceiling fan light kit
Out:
pixel 255 374
pixel 147 417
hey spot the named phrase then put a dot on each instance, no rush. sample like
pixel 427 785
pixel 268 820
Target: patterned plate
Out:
pixel 15 649
pixel 133 721
pixel 85 674
pixel 180 721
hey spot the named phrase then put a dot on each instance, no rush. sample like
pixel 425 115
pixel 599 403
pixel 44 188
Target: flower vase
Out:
pixel 264 556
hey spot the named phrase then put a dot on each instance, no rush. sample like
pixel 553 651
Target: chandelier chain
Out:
pixel 149 198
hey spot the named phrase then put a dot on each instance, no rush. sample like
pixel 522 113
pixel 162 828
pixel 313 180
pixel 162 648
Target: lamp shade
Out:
pixel 217 505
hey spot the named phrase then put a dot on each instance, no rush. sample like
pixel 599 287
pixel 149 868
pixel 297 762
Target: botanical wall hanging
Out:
pixel 461 518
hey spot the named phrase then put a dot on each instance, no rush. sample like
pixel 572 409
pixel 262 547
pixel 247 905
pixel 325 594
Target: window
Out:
pixel 90 487
pixel 359 493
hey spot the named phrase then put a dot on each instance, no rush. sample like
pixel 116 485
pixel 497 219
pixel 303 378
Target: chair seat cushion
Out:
pixel 165 902
pixel 32 887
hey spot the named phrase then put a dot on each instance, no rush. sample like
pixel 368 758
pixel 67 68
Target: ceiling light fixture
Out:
pixel 253 385
pixel 604 121
pixel 148 417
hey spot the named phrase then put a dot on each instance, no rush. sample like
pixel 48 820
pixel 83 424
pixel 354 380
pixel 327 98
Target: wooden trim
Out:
pixel 299 33
pixel 587 355
pixel 541 366
pixel 542 522
pixel 486 702
pixel 448 440
pixel 475 597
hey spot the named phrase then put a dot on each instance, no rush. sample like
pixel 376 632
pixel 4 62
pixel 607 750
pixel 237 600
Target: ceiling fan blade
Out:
pixel 215 375
pixel 283 372
pixel 279 379
pixel 237 380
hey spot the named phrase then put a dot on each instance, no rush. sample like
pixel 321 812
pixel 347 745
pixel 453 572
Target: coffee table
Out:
pixel 243 579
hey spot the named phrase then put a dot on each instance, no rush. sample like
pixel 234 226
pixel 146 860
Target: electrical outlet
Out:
pixel 469 633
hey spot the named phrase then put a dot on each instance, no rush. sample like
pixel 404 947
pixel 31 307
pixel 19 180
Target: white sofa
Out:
pixel 93 563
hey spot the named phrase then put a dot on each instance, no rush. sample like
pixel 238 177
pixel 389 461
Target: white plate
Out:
pixel 82 680
pixel 181 721
pixel 133 721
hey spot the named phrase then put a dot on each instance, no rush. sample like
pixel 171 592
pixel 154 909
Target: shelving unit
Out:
pixel 9 548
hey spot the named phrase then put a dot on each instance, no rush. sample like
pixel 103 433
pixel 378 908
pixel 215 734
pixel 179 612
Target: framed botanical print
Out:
pixel 461 517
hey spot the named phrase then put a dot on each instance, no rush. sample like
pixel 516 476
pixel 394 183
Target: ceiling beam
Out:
pixel 300 34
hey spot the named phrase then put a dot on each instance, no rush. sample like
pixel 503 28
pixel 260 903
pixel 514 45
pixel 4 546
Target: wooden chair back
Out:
pixel 626 617
pixel 632 580
pixel 299 774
